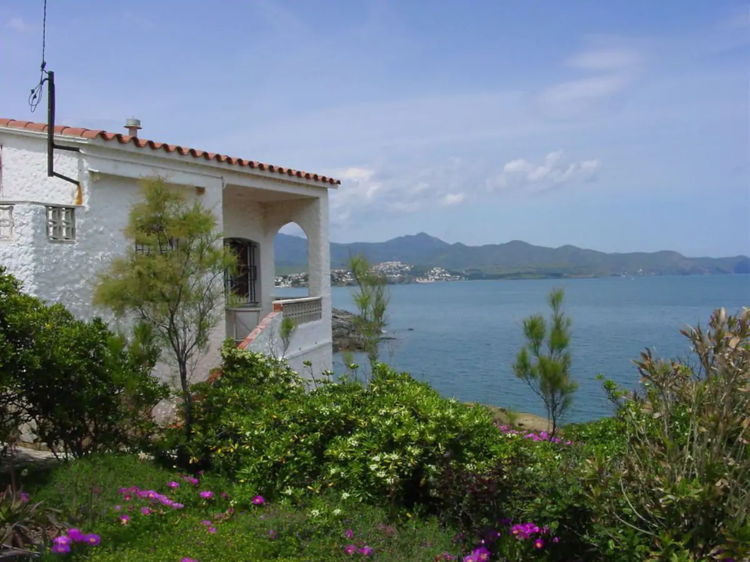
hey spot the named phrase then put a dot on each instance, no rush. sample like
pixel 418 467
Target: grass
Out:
pixel 86 491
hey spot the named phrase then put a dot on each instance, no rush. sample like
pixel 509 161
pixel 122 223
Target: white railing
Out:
pixel 301 310
pixel 241 321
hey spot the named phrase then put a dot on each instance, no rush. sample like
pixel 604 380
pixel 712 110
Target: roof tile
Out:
pixel 169 148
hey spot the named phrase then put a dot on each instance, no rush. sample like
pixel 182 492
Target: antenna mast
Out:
pixel 36 97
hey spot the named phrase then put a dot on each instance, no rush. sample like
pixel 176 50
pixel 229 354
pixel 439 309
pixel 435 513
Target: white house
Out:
pixel 55 235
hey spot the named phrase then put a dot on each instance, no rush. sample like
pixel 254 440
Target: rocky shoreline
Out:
pixel 346 336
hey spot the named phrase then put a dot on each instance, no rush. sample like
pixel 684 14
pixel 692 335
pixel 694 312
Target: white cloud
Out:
pixel 18 25
pixel 452 199
pixel 370 194
pixel 552 172
pixel 614 64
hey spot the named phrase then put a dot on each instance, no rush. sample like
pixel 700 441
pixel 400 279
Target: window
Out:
pixel 6 222
pixel 61 223
pixel 244 284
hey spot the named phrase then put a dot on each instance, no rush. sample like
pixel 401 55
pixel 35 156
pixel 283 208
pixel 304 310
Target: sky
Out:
pixel 618 126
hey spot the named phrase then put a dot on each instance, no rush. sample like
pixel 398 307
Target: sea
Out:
pixel 463 337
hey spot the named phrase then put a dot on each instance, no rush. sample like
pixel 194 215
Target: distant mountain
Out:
pixel 509 260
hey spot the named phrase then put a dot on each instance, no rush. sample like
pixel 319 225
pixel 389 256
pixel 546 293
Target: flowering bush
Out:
pixel 383 440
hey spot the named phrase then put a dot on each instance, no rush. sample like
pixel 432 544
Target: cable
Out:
pixel 35 97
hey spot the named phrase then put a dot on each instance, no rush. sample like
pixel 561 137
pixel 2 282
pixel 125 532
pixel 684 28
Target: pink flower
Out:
pixel 365 551
pixel 539 544
pixel 349 534
pixel 124 519
pixel 146 510
pixel 350 549
pixel 172 485
pixel 258 500
pixel 211 530
pixel 75 534
pixel 207 495
pixel 62 539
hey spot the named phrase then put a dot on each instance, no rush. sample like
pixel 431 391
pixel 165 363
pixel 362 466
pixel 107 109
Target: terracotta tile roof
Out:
pixel 181 150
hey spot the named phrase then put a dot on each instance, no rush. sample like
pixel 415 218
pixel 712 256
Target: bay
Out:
pixel 463 337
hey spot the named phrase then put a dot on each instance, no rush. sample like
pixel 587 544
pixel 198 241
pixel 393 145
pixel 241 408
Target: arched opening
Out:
pixel 292 264
pixel 243 283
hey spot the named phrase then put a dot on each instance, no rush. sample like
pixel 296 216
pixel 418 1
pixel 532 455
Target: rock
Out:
pixel 346 336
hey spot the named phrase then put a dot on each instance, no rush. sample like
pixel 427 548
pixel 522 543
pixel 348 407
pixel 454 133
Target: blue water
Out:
pixel 466 335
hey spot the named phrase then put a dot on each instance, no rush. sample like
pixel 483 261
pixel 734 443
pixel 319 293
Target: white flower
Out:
pixel 337 512
pixel 373 467
pixel 380 474
pixel 289 491
pixel 315 513
pixel 345 495
pixel 376 458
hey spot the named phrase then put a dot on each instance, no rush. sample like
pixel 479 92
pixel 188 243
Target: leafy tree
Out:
pixel 544 361
pixel 371 299
pixel 85 388
pixel 172 277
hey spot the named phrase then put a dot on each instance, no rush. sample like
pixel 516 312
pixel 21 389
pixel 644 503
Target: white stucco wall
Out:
pixel 108 174
pixel 66 272
pixel 309 342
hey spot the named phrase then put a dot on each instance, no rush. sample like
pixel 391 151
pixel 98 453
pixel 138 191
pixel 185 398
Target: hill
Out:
pixel 513 259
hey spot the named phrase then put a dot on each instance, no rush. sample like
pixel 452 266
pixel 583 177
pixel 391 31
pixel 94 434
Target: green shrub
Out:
pixel 379 441
pixel 85 388
pixel 680 489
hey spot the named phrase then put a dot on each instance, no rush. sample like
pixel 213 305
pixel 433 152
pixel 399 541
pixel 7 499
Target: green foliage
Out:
pixel 380 441
pixel 371 299
pixel 85 388
pixel 172 277
pixel 321 529
pixel 681 484
pixel 22 520
pixel 286 331
pixel 544 362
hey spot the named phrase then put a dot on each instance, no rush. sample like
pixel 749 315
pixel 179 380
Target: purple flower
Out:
pixel 60 548
pixel 177 506
pixel 62 539
pixel 172 485
pixel 25 497
pixel 75 534
pixel 365 551
pixel 193 481
pixel 211 530
pixel 188 560
pixel 350 549
pixel 258 500
pixel 272 534
pixel 146 510
pixel 92 539
pixel 556 540
pixel 481 554
pixel 207 495
pixel 539 544
pixel 206 523
pixel 124 519
pixel 349 534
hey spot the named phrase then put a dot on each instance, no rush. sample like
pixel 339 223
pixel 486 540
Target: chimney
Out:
pixel 132 125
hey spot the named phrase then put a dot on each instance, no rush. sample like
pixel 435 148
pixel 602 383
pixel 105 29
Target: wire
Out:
pixel 35 97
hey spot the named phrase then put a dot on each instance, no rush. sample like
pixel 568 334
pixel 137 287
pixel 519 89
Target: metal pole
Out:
pixel 50 123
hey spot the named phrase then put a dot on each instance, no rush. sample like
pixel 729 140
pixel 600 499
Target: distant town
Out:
pixel 395 273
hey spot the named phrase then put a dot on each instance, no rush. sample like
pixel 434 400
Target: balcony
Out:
pixel 301 310
pixel 241 321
